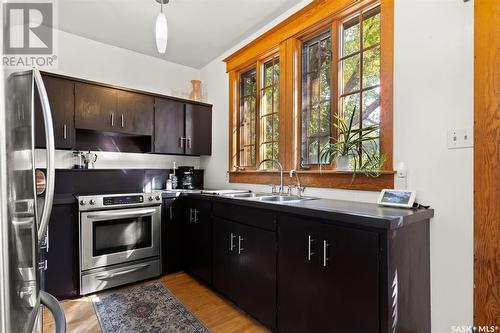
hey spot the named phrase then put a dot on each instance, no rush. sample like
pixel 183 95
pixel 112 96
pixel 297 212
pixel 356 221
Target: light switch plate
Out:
pixel 460 138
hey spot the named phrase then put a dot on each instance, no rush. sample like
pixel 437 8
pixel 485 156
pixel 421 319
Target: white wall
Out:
pixel 433 91
pixel 84 58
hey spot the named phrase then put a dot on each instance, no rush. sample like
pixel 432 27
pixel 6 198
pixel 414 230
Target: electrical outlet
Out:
pixel 460 138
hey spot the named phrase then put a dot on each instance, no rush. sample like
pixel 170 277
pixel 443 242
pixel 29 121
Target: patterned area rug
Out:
pixel 147 308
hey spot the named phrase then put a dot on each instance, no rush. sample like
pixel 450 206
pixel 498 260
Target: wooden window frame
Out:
pixel 286 39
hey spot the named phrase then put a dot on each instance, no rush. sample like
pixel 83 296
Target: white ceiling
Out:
pixel 199 30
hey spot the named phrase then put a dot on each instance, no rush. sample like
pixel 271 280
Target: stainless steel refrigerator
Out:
pixel 24 214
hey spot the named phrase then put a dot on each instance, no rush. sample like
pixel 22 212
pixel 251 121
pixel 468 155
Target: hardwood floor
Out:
pixel 217 314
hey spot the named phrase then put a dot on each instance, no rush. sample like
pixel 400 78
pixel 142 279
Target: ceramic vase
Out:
pixel 195 94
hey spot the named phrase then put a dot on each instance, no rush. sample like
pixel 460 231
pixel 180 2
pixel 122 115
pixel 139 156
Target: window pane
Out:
pixel 247 157
pixel 275 151
pixel 371 67
pixel 350 74
pixel 350 36
pixel 351 108
pixel 276 122
pixel 324 118
pixel 371 27
pixel 276 71
pixel 276 94
pixel 371 148
pixel 316 95
pixel 267 128
pixel 314 121
pixel 371 107
pixel 267 102
pixel 247 125
pixel 312 157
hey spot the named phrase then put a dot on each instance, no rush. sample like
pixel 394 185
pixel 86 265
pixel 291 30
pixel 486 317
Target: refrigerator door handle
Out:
pixel 56 309
pixel 50 154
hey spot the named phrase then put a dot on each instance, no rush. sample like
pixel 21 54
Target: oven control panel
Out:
pixel 113 201
pixel 122 200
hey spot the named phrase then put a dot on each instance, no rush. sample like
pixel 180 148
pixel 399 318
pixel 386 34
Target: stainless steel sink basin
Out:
pixel 266 197
pixel 244 195
pixel 281 198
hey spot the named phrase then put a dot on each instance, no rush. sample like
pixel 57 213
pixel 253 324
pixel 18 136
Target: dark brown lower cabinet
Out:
pixel 197 238
pixel 61 275
pixel 171 236
pixel 328 278
pixel 244 268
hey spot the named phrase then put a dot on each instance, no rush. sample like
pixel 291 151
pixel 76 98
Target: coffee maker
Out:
pixel 186 178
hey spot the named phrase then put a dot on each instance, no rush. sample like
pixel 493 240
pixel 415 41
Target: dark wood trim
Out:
pixel 486 163
pixel 107 85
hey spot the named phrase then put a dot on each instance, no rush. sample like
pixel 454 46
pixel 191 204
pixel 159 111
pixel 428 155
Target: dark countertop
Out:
pixel 349 212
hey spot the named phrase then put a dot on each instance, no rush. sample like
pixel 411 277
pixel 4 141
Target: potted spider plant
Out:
pixel 350 145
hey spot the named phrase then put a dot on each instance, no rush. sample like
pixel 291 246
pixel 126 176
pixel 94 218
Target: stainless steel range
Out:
pixel 119 239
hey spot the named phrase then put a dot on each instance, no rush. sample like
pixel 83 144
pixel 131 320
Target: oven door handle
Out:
pixel 121 273
pixel 106 215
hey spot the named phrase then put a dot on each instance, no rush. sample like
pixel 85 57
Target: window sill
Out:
pixel 323 179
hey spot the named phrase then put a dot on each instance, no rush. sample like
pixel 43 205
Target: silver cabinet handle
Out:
pixel 56 309
pixel 112 119
pixel 190 215
pixel 231 242
pixel 50 155
pixel 181 142
pixel 189 142
pixel 310 240
pixel 240 248
pixel 122 122
pixel 65 132
pixel 171 213
pixel 196 216
pixel 325 256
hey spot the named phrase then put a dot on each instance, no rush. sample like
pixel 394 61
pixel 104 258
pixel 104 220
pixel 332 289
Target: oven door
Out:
pixel 117 236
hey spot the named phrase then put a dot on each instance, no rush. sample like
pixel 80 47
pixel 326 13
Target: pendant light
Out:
pixel 161 29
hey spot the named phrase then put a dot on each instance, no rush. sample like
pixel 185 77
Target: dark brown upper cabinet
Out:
pixel 96 108
pixel 169 126
pixel 182 128
pixel 198 129
pixel 94 116
pixel 62 105
pixel 135 113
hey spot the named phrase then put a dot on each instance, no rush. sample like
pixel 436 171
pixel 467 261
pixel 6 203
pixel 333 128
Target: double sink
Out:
pixel 266 197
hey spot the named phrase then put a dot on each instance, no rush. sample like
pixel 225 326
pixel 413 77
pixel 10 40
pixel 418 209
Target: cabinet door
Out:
pixel 61 276
pixel 257 273
pixel 95 108
pixel 198 236
pixel 299 275
pixel 349 302
pixel 169 127
pixel 198 129
pixel 62 104
pixel 135 113
pixel 171 236
pixel 225 258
